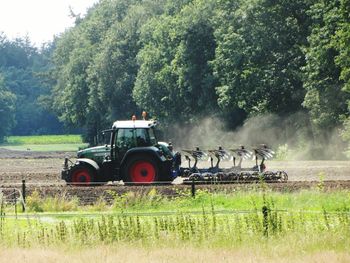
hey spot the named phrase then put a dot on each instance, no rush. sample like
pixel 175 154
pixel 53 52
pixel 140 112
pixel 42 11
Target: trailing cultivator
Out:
pixel 235 173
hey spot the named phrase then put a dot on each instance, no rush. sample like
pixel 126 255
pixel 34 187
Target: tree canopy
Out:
pixel 183 60
pixel 7 109
pixel 22 68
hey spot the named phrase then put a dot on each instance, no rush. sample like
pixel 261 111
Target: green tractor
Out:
pixel 133 155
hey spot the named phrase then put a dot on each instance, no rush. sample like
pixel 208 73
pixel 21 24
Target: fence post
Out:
pixel 193 188
pixel 265 212
pixel 14 194
pixel 24 195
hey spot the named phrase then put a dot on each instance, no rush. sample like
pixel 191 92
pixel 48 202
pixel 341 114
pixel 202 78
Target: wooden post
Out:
pixel 193 189
pixel 23 195
pixel 265 212
pixel 14 195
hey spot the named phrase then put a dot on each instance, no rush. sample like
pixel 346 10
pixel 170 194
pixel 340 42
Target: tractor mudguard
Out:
pixel 89 162
pixel 65 173
pixel 152 151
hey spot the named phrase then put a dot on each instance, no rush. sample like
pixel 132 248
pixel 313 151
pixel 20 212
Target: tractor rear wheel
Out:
pixel 82 175
pixel 141 169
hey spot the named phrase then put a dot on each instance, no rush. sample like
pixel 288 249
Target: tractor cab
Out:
pixel 127 135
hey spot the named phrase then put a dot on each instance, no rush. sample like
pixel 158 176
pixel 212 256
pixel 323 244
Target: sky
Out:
pixel 39 19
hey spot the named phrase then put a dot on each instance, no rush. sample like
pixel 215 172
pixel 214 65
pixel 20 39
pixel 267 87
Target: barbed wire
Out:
pixel 164 213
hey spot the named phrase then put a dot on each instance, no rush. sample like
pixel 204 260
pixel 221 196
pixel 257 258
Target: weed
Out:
pixel 320 185
pixel 36 203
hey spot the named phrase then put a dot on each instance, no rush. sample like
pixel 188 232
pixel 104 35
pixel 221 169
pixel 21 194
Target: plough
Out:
pixel 236 173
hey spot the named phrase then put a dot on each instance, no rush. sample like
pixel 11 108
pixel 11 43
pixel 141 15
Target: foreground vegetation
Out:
pixel 140 202
pixel 259 224
pixel 130 253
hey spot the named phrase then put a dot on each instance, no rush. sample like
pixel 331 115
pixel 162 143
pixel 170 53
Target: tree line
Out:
pixel 22 83
pixel 183 60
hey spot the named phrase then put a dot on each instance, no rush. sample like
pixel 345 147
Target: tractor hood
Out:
pixel 97 153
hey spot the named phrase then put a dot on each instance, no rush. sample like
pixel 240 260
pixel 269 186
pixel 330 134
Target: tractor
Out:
pixel 133 155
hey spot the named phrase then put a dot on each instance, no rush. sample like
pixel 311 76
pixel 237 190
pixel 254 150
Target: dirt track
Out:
pixel 42 171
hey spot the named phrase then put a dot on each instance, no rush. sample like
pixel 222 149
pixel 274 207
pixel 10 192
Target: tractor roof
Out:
pixel 134 124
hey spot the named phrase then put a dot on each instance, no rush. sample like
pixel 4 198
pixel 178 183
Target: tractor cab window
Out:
pixel 152 136
pixel 125 139
pixel 139 137
pixel 142 138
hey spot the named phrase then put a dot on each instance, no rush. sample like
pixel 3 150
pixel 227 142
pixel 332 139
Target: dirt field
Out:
pixel 45 167
pixel 42 171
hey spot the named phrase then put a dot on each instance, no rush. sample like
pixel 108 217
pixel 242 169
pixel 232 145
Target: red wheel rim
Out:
pixel 81 176
pixel 142 172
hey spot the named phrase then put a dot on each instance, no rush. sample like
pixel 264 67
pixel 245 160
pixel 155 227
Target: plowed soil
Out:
pixel 41 171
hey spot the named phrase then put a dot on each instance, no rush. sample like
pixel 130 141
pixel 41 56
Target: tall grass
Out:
pixel 274 226
pixel 151 200
pixel 207 229
pixel 265 223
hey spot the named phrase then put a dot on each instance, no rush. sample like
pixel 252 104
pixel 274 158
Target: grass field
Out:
pixel 308 226
pixel 314 200
pixel 44 143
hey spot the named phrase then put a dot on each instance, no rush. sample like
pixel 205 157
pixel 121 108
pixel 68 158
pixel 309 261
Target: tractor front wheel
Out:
pixel 141 169
pixel 82 175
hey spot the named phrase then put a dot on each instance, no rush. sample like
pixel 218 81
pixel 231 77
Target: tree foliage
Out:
pixel 259 54
pixel 325 97
pixel 175 80
pixel 21 67
pixel 185 59
pixel 342 60
pixel 7 110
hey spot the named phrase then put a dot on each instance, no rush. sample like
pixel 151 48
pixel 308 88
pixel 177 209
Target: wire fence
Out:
pixel 16 193
pixel 62 215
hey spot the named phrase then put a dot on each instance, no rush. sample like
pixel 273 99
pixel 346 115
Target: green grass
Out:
pixel 310 200
pixel 151 201
pixel 44 143
pixel 46 148
pixel 307 221
pixel 43 140
pixel 207 229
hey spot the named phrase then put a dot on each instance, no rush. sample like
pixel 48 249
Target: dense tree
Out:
pixel 185 59
pixel 342 44
pixel 73 95
pixel 21 65
pixel 259 55
pixel 114 68
pixel 96 63
pixel 175 80
pixel 325 97
pixel 7 110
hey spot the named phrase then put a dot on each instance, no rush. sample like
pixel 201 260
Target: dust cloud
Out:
pixel 291 137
